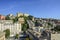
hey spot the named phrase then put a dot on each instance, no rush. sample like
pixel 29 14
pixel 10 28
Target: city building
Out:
pixel 37 29
pixel 2 17
pixel 21 20
pixel 26 14
pixel 33 19
pixel 2 35
pixel 15 28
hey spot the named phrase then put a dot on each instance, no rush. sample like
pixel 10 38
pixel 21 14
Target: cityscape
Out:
pixel 29 20
pixel 27 27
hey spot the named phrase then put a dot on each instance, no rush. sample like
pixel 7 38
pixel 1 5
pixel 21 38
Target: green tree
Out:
pixel 7 33
pixel 16 36
pixel 26 18
pixel 57 28
pixel 15 20
pixel 7 17
pixel 50 25
pixel 28 38
pixel 30 17
pixel 24 27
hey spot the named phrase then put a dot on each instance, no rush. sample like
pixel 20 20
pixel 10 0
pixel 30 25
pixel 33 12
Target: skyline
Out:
pixel 36 8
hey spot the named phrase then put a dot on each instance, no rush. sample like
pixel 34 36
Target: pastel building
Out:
pixel 2 17
pixel 2 35
pixel 15 28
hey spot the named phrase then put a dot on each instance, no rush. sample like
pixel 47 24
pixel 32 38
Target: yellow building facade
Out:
pixel 2 36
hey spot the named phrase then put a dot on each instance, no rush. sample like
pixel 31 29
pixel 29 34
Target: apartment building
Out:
pixel 2 35
pixel 8 24
pixel 2 17
pixel 33 19
pixel 37 29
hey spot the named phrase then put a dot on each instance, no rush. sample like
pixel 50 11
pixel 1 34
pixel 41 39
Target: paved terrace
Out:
pixel 55 36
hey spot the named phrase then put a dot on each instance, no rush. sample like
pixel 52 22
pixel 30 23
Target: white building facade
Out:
pixel 8 24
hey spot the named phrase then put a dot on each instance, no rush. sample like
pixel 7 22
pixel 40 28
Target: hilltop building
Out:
pixel 26 14
pixel 21 14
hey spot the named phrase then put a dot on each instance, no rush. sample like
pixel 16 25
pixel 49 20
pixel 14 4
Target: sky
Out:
pixel 36 8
